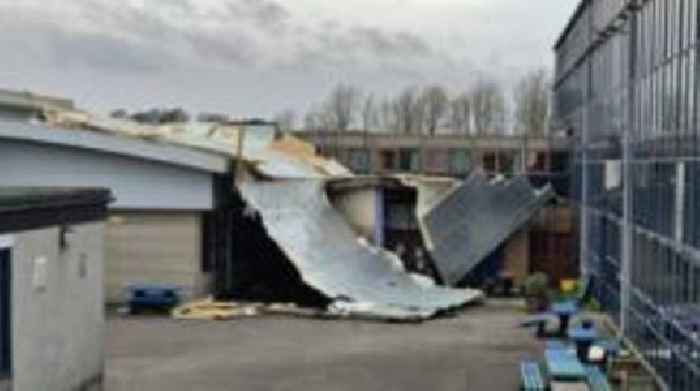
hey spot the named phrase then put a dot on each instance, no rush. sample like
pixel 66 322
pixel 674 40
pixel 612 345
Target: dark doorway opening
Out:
pixel 5 313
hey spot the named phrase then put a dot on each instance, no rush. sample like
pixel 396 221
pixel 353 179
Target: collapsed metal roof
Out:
pixel 357 278
pixel 471 222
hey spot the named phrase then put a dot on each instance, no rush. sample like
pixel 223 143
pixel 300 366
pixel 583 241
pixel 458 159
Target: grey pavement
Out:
pixel 477 350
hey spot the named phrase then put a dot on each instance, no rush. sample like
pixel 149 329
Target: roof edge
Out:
pixel 570 24
pixel 27 208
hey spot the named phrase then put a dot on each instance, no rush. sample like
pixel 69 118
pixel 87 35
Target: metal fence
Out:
pixel 627 85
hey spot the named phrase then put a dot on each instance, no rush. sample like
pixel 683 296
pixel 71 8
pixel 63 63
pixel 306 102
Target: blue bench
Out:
pixel 564 365
pixel 597 380
pixel 531 377
pixel 152 297
pixel 558 344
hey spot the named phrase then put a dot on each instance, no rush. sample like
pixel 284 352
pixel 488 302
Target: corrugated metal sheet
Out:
pixel 476 218
pixel 359 279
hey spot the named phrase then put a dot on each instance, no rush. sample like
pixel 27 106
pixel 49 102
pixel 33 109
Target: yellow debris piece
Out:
pixel 209 309
pixel 568 286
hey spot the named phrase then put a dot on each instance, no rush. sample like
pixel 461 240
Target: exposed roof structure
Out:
pixel 30 101
pixel 201 146
pixel 115 144
pixel 359 279
pixel 474 219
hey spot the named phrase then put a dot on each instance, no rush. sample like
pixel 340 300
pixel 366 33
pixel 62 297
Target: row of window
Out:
pixel 409 160
pixel 452 162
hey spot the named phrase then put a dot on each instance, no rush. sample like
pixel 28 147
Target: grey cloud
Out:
pixel 262 32
pixel 100 51
pixel 267 15
pixel 49 44
pixel 237 48
pixel 387 43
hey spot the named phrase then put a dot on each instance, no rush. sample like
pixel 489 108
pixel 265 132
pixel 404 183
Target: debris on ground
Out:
pixel 208 309
pixel 322 248
pixel 467 225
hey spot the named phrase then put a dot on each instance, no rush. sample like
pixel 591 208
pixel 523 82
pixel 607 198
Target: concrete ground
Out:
pixel 478 350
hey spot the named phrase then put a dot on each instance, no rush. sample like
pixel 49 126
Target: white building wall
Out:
pixel 58 313
pixel 162 248
pixel 359 208
pixel 136 184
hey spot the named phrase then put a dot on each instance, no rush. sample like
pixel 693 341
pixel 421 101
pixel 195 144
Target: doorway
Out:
pixel 5 313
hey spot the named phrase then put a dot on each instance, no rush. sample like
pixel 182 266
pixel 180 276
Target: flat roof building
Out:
pixel 51 291
pixel 161 227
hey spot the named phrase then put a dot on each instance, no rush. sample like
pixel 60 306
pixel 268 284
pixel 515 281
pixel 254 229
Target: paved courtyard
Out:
pixel 478 350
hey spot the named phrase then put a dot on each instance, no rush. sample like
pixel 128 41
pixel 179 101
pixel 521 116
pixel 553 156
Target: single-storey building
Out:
pixel 51 292
pixel 168 223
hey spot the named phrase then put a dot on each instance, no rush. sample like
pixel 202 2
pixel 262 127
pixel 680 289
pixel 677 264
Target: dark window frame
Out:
pixel 409 160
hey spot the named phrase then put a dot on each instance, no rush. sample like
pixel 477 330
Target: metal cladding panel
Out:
pixel 475 219
pixel 323 247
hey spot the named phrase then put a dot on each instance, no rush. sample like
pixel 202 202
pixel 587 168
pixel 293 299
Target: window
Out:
pixel 359 161
pixel 459 162
pixel 436 162
pixel 5 313
pixel 489 161
pixel 506 162
pixel 409 160
pixel 388 160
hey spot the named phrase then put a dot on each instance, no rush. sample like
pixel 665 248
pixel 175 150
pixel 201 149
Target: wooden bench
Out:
pixel 531 377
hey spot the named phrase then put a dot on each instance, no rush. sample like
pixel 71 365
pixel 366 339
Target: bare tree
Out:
pixel 177 115
pixel 387 118
pixel 531 97
pixel 286 120
pixel 435 103
pixel 119 114
pixel 342 105
pixel 312 121
pixel 370 117
pixel 489 107
pixel 212 117
pixel 408 111
pixel 461 109
pixel 161 116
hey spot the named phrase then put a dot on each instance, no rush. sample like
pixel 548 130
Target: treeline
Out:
pixel 167 116
pixel 487 108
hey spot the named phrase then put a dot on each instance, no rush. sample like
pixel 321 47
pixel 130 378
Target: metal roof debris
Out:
pixel 359 280
pixel 475 218
pixel 270 154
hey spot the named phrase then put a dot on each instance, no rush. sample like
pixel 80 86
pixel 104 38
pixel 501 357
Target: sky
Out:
pixel 256 58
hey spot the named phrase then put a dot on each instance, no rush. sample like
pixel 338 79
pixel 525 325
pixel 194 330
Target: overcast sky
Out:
pixel 258 57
